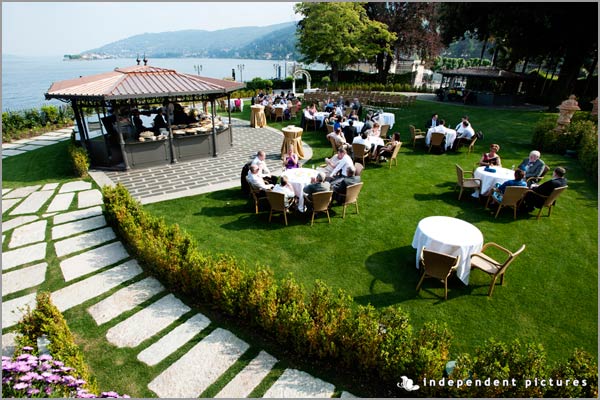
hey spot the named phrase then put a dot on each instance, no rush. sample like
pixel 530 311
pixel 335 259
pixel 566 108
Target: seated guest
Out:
pixel 138 123
pixel 291 159
pixel 491 158
pixel 533 166
pixel 263 170
pixel 339 186
pixel 463 119
pixel 441 128
pixel 368 122
pixel 464 133
pixel 388 149
pixel 337 123
pixel 317 184
pixel 365 140
pixel 287 189
pixel 354 116
pixel 376 130
pixel 330 105
pixel 337 165
pixel 340 139
pixel 350 131
pixel 500 189
pixel 159 122
pixel 432 122
pixel 257 181
pixel 532 199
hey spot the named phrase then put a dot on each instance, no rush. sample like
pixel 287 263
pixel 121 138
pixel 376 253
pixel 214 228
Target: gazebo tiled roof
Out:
pixel 139 81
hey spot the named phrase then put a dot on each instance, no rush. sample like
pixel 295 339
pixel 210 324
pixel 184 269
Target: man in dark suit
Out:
pixel 431 123
pixel 340 186
pixel 350 132
pixel 558 180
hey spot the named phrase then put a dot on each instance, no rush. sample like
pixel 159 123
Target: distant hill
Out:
pixel 273 41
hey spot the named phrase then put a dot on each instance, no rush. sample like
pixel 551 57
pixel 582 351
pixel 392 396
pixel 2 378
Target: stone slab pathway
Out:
pixel 12 152
pixel 95 285
pixel 75 186
pixel 248 379
pixel 75 215
pixel 23 255
pixel 23 278
pixel 21 192
pixel 93 260
pixel 200 367
pixel 7 204
pixel 173 340
pixel 84 241
pixel 89 198
pixel 27 234
pixel 32 203
pixel 298 384
pixel 61 202
pixel 50 186
pixel 147 322
pixel 79 226
pixel 18 221
pixel 13 310
pixel 125 299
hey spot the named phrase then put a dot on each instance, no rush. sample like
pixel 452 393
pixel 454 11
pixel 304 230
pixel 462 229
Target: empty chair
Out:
pixel 513 195
pixel 550 200
pixel 320 203
pixel 278 113
pixel 437 265
pixel 351 197
pixel 394 156
pixel 492 267
pixel 384 131
pixel 277 202
pixel 437 140
pixel 470 144
pixel 468 183
pixel 415 134
pixel 359 153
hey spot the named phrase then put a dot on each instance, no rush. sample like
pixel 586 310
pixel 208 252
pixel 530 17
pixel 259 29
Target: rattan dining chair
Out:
pixel 512 197
pixel 468 183
pixel 278 113
pixel 437 265
pixel 437 140
pixel 415 134
pixel 384 131
pixel 277 202
pixel 550 200
pixel 492 267
pixel 360 153
pixel 351 197
pixel 320 203
pixel 257 195
pixel 537 179
pixel 394 156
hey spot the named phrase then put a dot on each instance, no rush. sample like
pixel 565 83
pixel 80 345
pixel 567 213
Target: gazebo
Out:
pixel 119 93
pixel 481 85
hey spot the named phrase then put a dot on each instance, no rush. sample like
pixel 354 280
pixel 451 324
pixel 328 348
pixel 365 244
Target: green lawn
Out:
pixel 552 284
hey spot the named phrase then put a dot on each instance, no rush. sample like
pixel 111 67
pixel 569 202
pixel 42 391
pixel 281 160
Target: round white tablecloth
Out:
pixel 489 179
pixel 300 177
pixel 450 236
pixel 387 119
pixel 357 124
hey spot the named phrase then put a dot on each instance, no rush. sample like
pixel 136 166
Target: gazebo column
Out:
pixel 214 129
pixel 229 112
pixel 105 136
pixel 121 141
pixel 171 142
pixel 80 124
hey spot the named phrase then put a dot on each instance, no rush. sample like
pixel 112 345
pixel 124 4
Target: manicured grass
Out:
pixel 552 284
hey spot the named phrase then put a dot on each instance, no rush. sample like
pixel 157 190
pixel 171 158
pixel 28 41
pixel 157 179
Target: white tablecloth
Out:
pixel 357 124
pixel 489 179
pixel 450 236
pixel 450 137
pixel 300 177
pixel 387 119
pixel 320 116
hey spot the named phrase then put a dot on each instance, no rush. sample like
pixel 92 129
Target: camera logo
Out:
pixel 407 384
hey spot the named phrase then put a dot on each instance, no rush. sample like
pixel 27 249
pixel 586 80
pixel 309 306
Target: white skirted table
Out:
pixel 450 236
pixel 257 116
pixel 300 177
pixel 489 179
pixel 292 137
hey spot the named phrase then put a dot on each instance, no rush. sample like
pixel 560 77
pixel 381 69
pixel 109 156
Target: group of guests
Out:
pixel 461 134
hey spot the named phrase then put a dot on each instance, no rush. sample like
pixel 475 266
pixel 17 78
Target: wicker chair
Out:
pixel 536 179
pixel 416 134
pixel 492 267
pixel 384 131
pixel 437 140
pixel 320 203
pixel 351 197
pixel 278 113
pixel 468 183
pixel 550 200
pixel 512 197
pixel 277 202
pixel 437 265
pixel 257 195
pixel 394 156
pixel 359 153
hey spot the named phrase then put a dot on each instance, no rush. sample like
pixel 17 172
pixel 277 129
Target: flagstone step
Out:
pixel 27 234
pixel 17 221
pixel 60 202
pixel 6 191
pixel 50 186
pixel 84 241
pixel 89 198
pixel 200 367
pixel 80 226
pixel 92 260
pixel 125 299
pixel 75 186
pixel 13 310
pixel 299 384
pixel 79 214
pixel 23 278
pixel 23 255
pixel 80 292
pixel 7 204
pixel 12 152
pixel 147 322
pixel 173 340
pixel 248 379
pixel 21 192
pixel 30 147
pixel 32 203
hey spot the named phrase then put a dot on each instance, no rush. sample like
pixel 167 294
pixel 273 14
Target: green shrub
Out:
pixel 47 320
pixel 581 367
pixel 79 160
pixel 588 152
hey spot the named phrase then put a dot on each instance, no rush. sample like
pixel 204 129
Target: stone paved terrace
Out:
pixel 195 177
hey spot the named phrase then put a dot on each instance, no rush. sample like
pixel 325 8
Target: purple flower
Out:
pixel 21 385
pixel 48 390
pixel 33 391
pixel 21 366
pixel 45 357
pixel 52 378
pixel 59 363
pixel 44 367
pixel 27 348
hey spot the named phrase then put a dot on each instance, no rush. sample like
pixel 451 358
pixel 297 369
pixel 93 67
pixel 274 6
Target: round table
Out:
pixel 300 177
pixel 292 137
pixel 357 124
pixel 489 179
pixel 257 116
pixel 450 236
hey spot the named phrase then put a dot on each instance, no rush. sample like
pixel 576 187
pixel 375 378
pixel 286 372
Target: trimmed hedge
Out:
pixel 324 325
pixel 321 324
pixel 47 320
pixel 31 122
pixel 80 161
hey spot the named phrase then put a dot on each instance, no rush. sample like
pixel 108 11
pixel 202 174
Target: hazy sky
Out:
pixel 69 28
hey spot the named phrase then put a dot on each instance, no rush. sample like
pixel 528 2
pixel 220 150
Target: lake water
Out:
pixel 26 79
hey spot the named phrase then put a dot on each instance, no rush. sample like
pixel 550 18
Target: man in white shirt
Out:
pixel 441 128
pixel 264 171
pixel 257 181
pixel 465 133
pixel 364 139
pixel 343 161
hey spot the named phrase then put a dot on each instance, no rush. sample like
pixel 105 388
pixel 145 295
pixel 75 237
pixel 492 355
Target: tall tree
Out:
pixel 339 34
pixel 416 27
pixel 530 30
